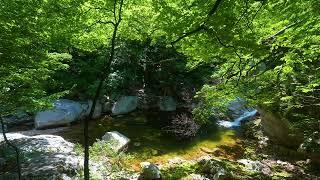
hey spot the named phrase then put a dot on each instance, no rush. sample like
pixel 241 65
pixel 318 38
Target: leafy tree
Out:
pixel 29 34
pixel 114 22
pixel 264 51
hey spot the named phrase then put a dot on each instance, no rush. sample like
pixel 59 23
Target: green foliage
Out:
pixel 29 30
pixel 264 51
pixel 102 151
pixel 267 53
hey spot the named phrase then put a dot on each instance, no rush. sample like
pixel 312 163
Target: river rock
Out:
pixel 167 103
pixel 149 171
pixel 117 141
pixel 46 156
pixel 64 112
pixel 255 166
pixel 107 107
pixel 125 105
pixel 214 167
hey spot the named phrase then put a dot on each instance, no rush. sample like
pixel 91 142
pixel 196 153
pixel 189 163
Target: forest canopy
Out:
pixel 267 50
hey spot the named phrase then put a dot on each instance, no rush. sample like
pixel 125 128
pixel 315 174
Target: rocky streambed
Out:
pixel 233 150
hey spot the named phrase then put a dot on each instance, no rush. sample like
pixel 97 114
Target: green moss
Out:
pixel 178 172
pixel 281 175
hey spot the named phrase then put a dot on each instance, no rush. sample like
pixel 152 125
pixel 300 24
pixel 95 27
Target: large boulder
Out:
pixel 117 141
pixel 125 105
pixel 42 156
pixel 64 112
pixel 149 171
pixel 279 130
pixel 167 103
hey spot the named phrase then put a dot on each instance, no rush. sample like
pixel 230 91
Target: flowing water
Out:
pixel 148 142
pixel 237 122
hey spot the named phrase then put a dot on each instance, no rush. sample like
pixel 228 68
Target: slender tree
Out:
pixel 117 17
pixel 13 147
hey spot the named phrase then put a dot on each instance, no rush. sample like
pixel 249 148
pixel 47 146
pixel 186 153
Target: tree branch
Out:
pixel 270 39
pixel 99 22
pixel 202 25
pixel 164 61
pixel 114 10
pixel 255 14
pixel 215 7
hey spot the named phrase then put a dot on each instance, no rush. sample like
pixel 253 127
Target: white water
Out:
pixel 237 122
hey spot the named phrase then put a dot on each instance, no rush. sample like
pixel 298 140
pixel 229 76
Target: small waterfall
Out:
pixel 237 122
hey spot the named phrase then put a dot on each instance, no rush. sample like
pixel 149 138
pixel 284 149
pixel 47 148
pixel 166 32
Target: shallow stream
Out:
pixel 148 142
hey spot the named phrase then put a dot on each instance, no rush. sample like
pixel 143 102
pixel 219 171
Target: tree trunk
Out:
pixel 104 74
pixel 14 147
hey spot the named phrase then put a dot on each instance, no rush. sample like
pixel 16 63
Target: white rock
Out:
pixel 64 112
pixel 48 156
pixel 125 105
pixel 117 141
pixel 255 166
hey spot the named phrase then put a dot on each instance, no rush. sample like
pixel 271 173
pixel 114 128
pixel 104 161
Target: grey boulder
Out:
pixel 46 156
pixel 149 171
pixel 117 141
pixel 125 105
pixel 64 112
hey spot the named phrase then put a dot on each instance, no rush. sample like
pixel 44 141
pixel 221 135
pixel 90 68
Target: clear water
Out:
pixel 154 146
